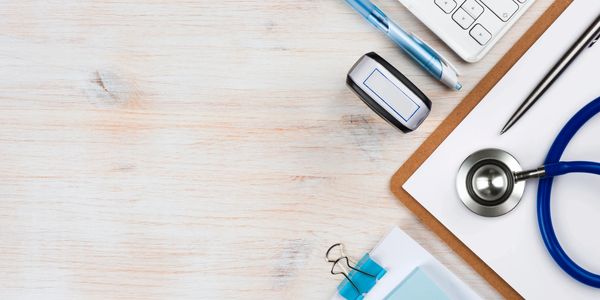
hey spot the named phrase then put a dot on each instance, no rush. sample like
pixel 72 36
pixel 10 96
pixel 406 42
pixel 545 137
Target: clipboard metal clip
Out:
pixel 360 278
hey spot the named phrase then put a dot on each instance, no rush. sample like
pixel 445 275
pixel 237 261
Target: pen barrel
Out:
pixel 406 42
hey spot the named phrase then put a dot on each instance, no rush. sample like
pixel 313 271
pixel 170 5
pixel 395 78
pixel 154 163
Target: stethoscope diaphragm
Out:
pixel 486 182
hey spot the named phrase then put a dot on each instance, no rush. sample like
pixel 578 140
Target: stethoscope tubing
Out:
pixel 566 167
pixel 555 167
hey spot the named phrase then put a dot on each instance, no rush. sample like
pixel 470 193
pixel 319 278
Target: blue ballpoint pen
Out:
pixel 426 56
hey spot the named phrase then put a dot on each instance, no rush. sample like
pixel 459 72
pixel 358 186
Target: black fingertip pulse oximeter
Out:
pixel 389 93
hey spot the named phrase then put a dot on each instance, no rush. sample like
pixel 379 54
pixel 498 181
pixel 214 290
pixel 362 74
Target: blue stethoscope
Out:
pixel 490 183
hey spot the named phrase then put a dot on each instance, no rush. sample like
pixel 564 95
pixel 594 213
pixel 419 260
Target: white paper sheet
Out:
pixel 511 244
pixel 399 254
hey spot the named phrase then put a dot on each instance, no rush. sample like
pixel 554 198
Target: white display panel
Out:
pixel 389 96
pixel 389 92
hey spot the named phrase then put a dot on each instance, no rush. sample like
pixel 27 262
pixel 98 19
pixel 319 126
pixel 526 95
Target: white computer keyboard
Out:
pixel 469 27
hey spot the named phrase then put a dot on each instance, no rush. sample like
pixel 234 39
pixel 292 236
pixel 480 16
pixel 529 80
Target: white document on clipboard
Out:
pixel 511 244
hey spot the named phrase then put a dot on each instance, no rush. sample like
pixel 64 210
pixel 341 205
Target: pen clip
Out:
pixel 434 52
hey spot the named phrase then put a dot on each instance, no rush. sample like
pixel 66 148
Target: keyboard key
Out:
pixel 503 9
pixel 473 8
pixel 480 34
pixel 446 5
pixel 463 19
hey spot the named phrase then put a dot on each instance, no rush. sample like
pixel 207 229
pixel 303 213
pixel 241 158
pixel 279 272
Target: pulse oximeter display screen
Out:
pixel 388 93
pixel 391 97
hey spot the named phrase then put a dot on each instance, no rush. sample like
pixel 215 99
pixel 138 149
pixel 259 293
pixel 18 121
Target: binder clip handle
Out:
pixel 335 258
pixel 346 273
pixel 362 276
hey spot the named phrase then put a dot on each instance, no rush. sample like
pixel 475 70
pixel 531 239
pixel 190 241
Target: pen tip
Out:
pixel 506 127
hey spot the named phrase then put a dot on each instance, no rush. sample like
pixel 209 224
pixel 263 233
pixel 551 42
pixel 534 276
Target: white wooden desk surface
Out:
pixel 200 149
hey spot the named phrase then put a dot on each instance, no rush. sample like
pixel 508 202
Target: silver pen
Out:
pixel 589 37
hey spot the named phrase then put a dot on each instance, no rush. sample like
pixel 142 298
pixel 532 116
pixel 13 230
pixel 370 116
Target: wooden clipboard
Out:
pixel 448 125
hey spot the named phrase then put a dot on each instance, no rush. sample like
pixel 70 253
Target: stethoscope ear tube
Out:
pixel 553 168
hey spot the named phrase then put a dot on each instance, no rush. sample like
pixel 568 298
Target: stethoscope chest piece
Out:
pixel 486 182
pixel 491 182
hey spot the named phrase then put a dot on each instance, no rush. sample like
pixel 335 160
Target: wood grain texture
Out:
pixel 200 149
